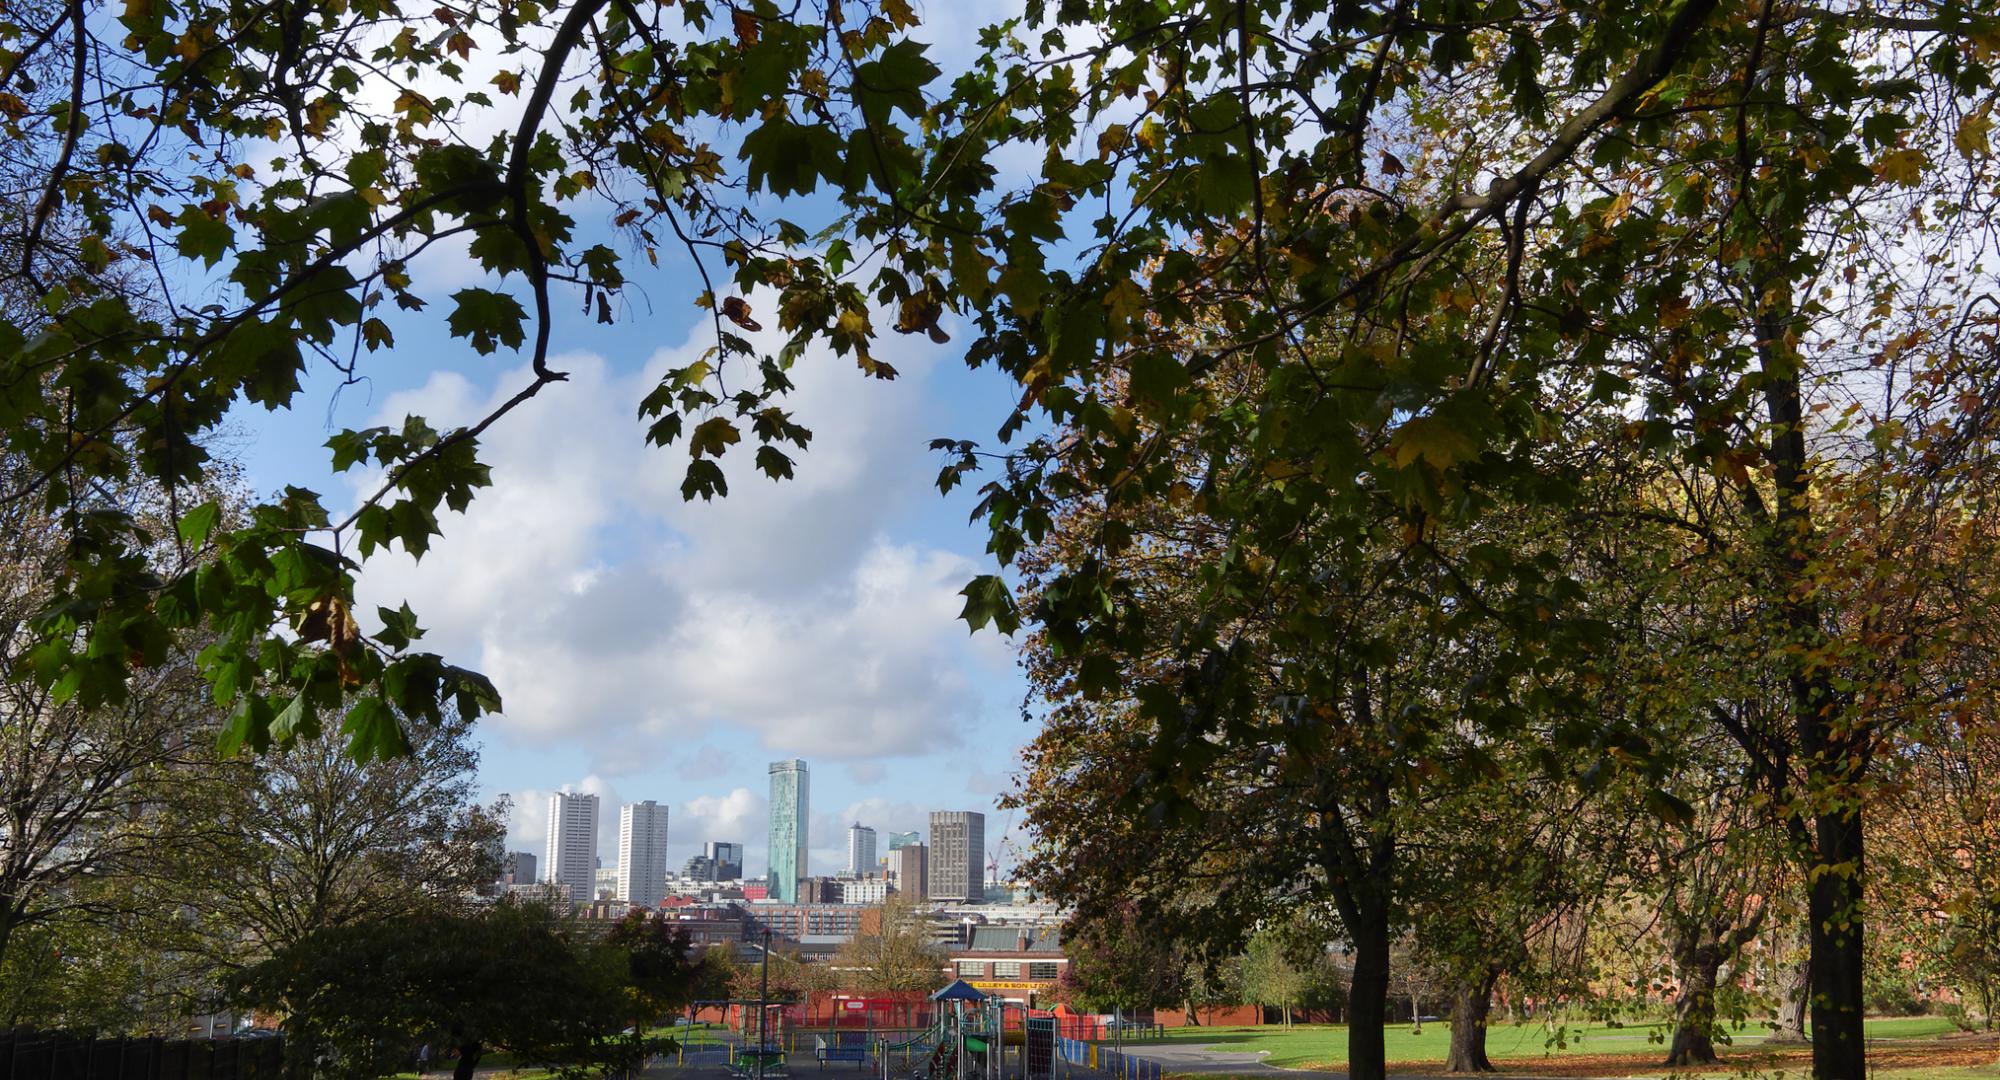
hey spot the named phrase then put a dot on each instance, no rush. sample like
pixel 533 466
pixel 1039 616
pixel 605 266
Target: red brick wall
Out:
pixel 1211 1016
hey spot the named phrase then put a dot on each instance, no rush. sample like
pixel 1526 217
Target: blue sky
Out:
pixel 649 648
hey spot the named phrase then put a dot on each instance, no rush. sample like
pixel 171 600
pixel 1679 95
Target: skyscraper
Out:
pixel 726 860
pixel 913 870
pixel 860 850
pixel 791 810
pixel 642 853
pixel 572 848
pixel 958 855
pixel 520 868
pixel 901 840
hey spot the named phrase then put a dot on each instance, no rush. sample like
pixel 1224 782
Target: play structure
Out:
pixel 977 1037
pixel 957 1033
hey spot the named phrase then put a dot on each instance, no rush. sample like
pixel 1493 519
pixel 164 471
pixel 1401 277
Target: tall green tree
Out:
pixel 357 999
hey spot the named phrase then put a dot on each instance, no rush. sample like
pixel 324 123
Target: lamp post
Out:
pixel 763 1011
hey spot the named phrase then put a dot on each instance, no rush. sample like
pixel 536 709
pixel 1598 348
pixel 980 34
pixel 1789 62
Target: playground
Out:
pixel 956 1033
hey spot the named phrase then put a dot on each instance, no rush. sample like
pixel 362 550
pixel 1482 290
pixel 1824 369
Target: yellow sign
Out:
pixel 977 985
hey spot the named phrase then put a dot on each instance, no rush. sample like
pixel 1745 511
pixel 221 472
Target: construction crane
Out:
pixel 1005 843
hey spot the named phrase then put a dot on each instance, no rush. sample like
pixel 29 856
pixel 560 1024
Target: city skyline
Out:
pixel 722 809
pixel 643 829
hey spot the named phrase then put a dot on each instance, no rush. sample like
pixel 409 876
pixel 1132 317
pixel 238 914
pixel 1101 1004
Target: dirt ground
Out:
pixel 1948 1051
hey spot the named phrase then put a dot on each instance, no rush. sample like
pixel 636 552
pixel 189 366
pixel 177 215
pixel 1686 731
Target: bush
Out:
pixel 1959 1015
pixel 1895 994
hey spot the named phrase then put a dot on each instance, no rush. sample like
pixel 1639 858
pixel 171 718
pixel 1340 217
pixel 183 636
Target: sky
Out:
pixel 651 648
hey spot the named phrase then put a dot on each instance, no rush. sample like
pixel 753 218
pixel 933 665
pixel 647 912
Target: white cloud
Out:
pixel 620 620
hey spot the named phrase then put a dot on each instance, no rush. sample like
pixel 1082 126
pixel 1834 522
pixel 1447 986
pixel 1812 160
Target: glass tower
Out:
pixel 790 811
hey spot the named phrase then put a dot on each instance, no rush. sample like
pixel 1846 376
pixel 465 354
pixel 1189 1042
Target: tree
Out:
pixel 897 956
pixel 662 976
pixel 78 784
pixel 1940 893
pixel 1714 891
pixel 359 997
pixel 1120 964
pixel 301 839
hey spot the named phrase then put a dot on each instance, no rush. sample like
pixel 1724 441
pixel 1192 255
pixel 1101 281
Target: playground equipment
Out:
pixel 978 1037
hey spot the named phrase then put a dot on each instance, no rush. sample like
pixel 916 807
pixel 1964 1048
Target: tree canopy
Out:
pixel 1360 311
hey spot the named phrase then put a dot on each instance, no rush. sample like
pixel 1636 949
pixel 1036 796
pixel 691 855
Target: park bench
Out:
pixel 839 1047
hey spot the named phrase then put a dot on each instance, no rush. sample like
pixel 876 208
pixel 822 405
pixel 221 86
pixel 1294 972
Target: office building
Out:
pixel 900 840
pixel 860 850
pixel 791 810
pixel 642 854
pixel 958 856
pixel 872 890
pixel 726 860
pixel 698 868
pixel 519 868
pixel 912 866
pixel 604 883
pixel 572 848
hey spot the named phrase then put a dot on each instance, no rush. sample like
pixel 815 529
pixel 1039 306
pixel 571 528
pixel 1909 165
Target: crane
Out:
pixel 993 855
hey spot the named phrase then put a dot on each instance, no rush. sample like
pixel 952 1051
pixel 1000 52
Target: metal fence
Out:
pixel 42 1055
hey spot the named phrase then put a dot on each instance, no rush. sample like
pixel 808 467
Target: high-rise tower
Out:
pixel 791 809
pixel 572 849
pixel 958 855
pixel 642 853
pixel 860 850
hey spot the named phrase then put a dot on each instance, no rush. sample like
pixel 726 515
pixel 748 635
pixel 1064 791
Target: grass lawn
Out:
pixel 1306 1046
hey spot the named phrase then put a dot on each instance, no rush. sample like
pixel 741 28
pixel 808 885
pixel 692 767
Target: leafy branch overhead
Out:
pixel 289 165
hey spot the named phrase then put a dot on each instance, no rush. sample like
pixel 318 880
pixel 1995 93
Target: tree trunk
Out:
pixel 1694 1009
pixel 1368 995
pixel 1187 1008
pixel 1834 747
pixel 1839 1050
pixel 1469 1011
pixel 1795 1000
pixel 468 1059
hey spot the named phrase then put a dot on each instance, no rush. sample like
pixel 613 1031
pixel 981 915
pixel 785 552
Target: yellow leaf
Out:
pixel 1109 140
pixel 713 436
pixel 899 13
pixel 1973 130
pixel 1904 167
pixel 1126 300
pixel 852 322
pixel 509 82
pixel 1433 440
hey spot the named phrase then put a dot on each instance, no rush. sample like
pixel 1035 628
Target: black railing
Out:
pixel 42 1055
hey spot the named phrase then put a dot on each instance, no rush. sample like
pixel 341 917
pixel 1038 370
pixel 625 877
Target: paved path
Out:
pixel 1185 1058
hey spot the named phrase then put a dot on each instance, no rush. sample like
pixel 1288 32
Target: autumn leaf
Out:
pixel 737 310
pixel 1902 167
pixel 713 436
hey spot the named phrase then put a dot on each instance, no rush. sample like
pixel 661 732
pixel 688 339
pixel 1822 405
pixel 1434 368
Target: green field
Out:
pixel 1305 1045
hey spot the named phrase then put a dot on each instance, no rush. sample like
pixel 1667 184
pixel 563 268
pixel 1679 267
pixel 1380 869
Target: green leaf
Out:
pixel 373 732
pixel 399 627
pixel 296 721
pixel 489 319
pixel 202 236
pixel 197 523
pixel 987 599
